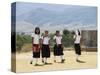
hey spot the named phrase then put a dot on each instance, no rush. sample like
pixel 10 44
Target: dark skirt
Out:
pixel 36 51
pixel 36 54
pixel 77 49
pixel 45 51
pixel 58 50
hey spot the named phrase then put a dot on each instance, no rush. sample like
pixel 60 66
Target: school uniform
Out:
pixel 58 49
pixel 45 47
pixel 77 44
pixel 35 45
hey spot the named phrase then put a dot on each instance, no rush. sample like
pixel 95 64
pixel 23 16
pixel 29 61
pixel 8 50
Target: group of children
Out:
pixel 41 46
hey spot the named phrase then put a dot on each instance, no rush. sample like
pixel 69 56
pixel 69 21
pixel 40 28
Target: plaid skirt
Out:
pixel 45 51
pixel 36 51
pixel 77 49
pixel 58 50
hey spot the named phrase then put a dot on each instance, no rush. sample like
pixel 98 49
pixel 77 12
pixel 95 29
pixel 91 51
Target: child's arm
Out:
pixel 41 42
pixel 62 42
pixel 81 41
pixel 74 37
pixel 54 38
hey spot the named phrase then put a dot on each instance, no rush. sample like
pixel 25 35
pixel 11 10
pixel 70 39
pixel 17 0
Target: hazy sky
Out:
pixel 28 16
pixel 23 7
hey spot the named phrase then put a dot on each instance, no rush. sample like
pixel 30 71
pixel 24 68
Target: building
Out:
pixel 89 40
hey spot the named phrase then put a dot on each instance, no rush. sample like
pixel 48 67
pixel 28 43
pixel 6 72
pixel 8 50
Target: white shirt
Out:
pixel 77 39
pixel 58 39
pixel 36 38
pixel 45 40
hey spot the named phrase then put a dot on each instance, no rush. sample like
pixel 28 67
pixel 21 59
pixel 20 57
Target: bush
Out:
pixel 21 40
pixel 25 41
pixel 67 38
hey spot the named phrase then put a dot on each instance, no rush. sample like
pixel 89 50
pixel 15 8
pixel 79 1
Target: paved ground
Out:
pixel 23 62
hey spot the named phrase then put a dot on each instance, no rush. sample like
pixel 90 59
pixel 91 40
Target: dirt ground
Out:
pixel 89 61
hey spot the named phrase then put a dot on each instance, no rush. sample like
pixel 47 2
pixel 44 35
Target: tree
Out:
pixel 21 40
pixel 66 32
pixel 67 38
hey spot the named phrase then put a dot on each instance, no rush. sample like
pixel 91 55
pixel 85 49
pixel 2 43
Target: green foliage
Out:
pixel 51 39
pixel 66 32
pixel 67 38
pixel 21 40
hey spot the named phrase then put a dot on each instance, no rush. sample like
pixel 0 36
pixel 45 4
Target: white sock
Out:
pixel 42 59
pixel 62 57
pixel 36 60
pixel 32 60
pixel 45 60
pixel 54 57
pixel 32 57
pixel 77 57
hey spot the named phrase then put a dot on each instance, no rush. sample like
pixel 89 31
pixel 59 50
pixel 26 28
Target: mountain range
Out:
pixel 48 16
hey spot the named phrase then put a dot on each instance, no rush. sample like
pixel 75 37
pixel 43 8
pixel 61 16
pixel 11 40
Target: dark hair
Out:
pixel 46 31
pixel 37 28
pixel 57 31
pixel 79 32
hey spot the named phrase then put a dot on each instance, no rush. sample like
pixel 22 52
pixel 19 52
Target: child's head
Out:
pixel 37 30
pixel 46 33
pixel 57 33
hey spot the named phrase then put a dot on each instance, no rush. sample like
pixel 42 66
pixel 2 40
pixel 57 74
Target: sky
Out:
pixel 54 16
pixel 23 7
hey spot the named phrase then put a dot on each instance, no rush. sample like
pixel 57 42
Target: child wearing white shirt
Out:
pixel 36 45
pixel 45 47
pixel 77 37
pixel 58 48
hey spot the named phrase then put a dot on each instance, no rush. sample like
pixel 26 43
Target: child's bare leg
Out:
pixel 77 57
pixel 45 60
pixel 36 61
pixel 61 57
pixel 31 60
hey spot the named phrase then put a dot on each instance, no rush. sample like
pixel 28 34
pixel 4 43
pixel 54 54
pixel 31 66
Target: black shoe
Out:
pixel 63 60
pixel 45 63
pixel 31 62
pixel 80 61
pixel 77 60
pixel 42 61
pixel 36 65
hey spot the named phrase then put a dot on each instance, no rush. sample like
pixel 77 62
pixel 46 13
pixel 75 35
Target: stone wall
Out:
pixel 89 39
